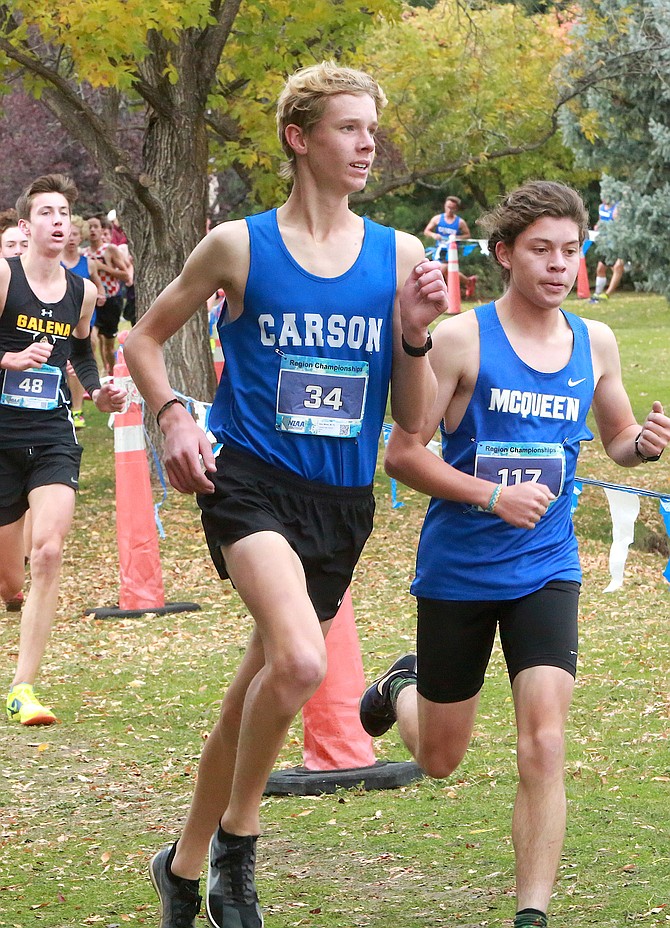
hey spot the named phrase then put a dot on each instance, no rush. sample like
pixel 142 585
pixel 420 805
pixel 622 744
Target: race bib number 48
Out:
pixel 509 463
pixel 35 388
pixel 318 396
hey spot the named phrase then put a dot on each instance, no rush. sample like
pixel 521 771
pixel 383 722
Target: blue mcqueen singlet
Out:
pixel 308 362
pixel 444 229
pixel 520 424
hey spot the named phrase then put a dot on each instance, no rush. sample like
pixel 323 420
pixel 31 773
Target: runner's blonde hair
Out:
pixel 303 100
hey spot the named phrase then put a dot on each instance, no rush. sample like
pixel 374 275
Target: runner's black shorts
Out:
pixel 455 638
pixel 108 316
pixel 25 469
pixel 326 526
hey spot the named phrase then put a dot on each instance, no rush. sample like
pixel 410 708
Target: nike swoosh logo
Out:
pixel 575 383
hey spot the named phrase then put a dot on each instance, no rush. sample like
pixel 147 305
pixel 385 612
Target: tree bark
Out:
pixel 160 244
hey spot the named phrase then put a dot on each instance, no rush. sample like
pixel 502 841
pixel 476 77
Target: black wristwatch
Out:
pixel 643 457
pixel 417 352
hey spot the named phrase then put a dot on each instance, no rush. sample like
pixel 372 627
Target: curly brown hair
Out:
pixel 525 205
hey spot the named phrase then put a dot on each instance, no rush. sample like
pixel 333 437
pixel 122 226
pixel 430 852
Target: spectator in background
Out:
pixel 118 236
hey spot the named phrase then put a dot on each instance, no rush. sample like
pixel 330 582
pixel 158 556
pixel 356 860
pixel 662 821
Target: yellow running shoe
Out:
pixel 24 707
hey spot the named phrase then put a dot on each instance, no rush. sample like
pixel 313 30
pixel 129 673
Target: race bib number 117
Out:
pixel 509 463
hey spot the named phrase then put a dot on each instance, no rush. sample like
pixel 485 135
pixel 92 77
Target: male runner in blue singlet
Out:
pixel 607 212
pixel 445 226
pixel 45 312
pixel 324 309
pixel 516 379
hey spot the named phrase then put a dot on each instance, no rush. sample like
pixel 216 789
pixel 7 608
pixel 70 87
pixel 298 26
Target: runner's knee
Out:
pixel 541 753
pixel 294 678
pixel 439 758
pixel 46 555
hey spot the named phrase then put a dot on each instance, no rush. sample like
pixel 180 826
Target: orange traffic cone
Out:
pixel 334 706
pixel 141 578
pixel 453 278
pixel 337 752
pixel 137 537
pixel 583 288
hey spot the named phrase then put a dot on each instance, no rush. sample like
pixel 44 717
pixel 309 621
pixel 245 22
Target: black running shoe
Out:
pixel 232 900
pixel 530 920
pixel 375 708
pixel 527 920
pixel 180 899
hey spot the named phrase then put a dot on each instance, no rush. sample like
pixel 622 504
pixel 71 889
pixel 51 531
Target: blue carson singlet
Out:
pixel 520 424
pixel 308 362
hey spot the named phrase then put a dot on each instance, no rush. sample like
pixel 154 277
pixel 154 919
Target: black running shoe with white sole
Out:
pixel 375 708
pixel 180 899
pixel 232 900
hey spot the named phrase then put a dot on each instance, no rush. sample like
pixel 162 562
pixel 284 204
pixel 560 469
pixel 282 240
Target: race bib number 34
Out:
pixel 318 396
pixel 509 463
pixel 35 388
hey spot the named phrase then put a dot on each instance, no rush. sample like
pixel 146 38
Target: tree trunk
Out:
pixel 160 243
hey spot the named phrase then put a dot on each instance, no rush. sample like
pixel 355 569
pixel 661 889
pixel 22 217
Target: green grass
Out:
pixel 85 803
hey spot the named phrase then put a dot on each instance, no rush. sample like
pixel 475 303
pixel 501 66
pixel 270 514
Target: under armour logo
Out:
pixel 48 312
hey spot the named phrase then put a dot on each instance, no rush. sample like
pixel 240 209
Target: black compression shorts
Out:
pixel 455 638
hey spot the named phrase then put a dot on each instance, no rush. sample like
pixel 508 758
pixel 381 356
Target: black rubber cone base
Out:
pixel 300 781
pixel 116 613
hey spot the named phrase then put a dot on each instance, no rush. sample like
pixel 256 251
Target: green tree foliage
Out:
pixel 195 69
pixel 473 95
pixel 620 125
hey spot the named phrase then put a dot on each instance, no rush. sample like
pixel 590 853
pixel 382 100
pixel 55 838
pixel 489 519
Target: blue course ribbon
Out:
pixel 159 471
pixel 664 506
pixel 395 502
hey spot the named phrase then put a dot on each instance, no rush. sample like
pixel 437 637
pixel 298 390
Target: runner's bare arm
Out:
pixel 219 261
pixel 455 360
pixel 108 397
pixel 421 298
pixel 612 408
pixel 429 230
